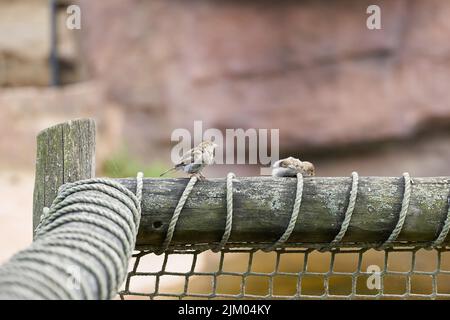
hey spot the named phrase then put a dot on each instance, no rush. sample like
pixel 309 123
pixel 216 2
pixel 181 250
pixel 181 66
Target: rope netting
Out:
pixel 351 273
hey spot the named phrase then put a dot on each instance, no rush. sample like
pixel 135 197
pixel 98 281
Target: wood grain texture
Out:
pixel 65 153
pixel 263 206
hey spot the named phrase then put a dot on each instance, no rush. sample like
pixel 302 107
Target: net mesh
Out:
pixel 346 273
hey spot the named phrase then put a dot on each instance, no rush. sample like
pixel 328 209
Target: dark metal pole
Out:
pixel 54 64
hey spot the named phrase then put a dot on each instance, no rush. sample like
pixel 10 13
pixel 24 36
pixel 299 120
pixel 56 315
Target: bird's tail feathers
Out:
pixel 170 170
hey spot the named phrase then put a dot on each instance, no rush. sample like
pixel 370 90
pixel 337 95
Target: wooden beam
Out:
pixel 263 206
pixel 65 153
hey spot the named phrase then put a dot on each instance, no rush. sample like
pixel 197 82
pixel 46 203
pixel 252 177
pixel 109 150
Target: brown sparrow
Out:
pixel 196 159
pixel 289 167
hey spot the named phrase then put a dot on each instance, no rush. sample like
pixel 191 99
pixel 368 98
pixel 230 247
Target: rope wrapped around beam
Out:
pixel 82 246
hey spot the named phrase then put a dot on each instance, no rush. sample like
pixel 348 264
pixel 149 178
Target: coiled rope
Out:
pixel 82 247
pixel 445 229
pixel 402 216
pixel 229 219
pixel 187 191
pixel 176 214
pixel 294 216
pixel 348 214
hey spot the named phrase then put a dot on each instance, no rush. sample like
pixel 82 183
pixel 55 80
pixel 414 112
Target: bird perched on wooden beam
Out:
pixel 196 159
pixel 289 167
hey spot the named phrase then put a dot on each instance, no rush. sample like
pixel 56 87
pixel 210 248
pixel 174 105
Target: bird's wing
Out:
pixel 197 156
pixel 191 156
pixel 286 164
pixel 291 163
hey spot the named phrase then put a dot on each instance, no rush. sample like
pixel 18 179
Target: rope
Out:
pixel 292 222
pixel 445 229
pixel 348 213
pixel 294 217
pixel 176 215
pixel 82 246
pixel 229 221
pixel 402 215
pixel 139 188
pixel 229 218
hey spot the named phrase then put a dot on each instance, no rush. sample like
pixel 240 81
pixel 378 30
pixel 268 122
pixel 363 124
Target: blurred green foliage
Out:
pixel 121 164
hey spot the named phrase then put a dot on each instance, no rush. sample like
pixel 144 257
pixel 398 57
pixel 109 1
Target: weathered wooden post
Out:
pixel 65 153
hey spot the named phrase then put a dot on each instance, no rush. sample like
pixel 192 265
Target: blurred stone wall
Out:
pixel 25 44
pixel 26 111
pixel 309 68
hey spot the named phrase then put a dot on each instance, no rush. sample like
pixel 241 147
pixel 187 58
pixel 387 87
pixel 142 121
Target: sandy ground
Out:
pixel 16 203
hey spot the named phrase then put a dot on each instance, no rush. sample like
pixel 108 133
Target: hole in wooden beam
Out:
pixel 157 224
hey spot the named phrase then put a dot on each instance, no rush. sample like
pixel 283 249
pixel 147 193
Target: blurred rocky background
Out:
pixel 344 97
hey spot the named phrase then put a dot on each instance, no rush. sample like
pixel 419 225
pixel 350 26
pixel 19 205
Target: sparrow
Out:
pixel 196 159
pixel 289 167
